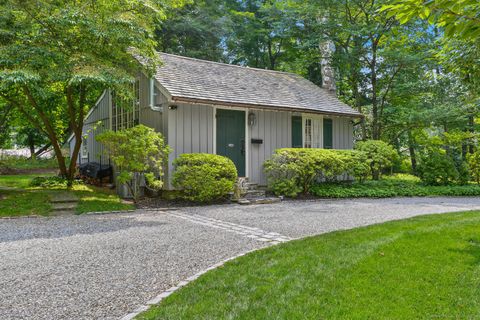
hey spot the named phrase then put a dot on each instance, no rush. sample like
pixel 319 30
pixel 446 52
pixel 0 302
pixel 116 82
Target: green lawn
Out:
pixel 422 268
pixel 400 185
pixel 23 163
pixel 28 200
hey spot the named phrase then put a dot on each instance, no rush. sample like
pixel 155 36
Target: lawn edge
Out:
pixel 158 298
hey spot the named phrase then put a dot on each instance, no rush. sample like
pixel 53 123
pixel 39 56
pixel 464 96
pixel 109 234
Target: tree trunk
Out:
pixel 471 127
pixel 411 150
pixel 373 79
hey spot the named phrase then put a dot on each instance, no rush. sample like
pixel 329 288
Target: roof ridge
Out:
pixel 230 65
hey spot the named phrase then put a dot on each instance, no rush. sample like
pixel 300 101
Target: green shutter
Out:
pixel 297 132
pixel 327 133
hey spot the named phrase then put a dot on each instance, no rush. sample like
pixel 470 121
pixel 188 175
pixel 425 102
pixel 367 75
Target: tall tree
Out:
pixel 57 56
pixel 195 30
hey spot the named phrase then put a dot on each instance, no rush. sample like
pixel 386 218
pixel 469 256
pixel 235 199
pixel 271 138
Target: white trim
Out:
pixel 317 130
pixel 214 130
pixel 247 145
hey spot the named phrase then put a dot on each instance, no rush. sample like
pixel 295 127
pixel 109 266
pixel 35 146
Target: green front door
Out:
pixel 231 137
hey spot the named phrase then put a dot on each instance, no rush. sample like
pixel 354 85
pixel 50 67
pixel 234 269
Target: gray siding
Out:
pixel 342 133
pixel 275 128
pixel 149 117
pixel 190 130
pixel 97 122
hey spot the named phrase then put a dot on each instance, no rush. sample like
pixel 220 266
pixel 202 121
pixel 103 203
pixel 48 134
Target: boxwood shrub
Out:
pixel 204 177
pixel 293 171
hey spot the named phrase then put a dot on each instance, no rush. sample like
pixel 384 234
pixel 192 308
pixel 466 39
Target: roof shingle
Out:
pixel 205 81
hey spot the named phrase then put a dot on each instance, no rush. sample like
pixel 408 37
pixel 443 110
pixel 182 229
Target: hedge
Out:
pixel 204 177
pixel 293 171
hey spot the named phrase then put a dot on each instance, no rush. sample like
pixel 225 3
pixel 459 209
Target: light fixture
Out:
pixel 172 107
pixel 252 119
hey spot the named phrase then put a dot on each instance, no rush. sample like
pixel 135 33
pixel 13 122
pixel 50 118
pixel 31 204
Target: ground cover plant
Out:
pixel 400 185
pixel 30 195
pixel 420 268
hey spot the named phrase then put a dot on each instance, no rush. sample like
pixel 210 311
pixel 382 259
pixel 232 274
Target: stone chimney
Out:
pixel 327 48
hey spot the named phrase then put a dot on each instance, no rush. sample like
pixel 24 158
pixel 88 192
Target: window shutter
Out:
pixel 327 133
pixel 297 132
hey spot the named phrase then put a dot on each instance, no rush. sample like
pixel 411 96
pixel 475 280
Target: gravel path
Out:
pixel 104 266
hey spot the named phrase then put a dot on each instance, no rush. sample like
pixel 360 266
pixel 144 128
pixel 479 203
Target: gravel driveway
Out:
pixel 104 266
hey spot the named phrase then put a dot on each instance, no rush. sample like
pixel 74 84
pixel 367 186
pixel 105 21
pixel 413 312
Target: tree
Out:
pixel 31 138
pixel 137 152
pixel 195 30
pixel 57 56
pixel 459 18
pixel 380 155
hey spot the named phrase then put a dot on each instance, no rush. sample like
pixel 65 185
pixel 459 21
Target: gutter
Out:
pixel 260 106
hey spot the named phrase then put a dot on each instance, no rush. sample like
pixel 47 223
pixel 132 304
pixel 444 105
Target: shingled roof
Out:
pixel 194 80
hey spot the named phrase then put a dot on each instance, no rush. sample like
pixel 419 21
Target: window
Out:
pixel 308 133
pixel 126 112
pixel 327 133
pixel 312 132
pixel 85 147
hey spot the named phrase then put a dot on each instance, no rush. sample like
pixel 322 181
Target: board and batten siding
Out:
pixel 275 129
pixel 190 129
pixel 97 121
pixel 149 117
pixel 342 133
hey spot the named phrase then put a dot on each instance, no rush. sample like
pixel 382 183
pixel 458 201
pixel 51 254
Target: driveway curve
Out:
pixel 105 266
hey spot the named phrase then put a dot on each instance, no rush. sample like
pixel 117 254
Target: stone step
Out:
pixel 254 194
pixel 64 200
pixel 267 200
pixel 63 213
pixel 64 206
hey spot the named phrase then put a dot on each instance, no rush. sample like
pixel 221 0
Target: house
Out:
pixel 242 113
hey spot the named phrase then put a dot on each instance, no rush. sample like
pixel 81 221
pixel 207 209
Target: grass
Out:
pixel 391 186
pixel 422 268
pixel 24 163
pixel 29 200
pixel 24 203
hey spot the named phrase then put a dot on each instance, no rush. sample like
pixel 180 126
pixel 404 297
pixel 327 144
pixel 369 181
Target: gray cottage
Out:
pixel 242 113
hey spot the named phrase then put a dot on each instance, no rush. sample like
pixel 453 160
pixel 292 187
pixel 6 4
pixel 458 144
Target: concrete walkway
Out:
pixel 105 266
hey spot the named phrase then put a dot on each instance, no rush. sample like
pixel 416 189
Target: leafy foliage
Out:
pixel 57 56
pixel 48 182
pixel 395 186
pixel 438 169
pixel 293 171
pixel 137 152
pixel 380 155
pixel 204 177
pixel 457 17
pixel 474 165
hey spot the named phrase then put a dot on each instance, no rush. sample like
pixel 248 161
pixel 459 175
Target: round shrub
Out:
pixel 204 177
pixel 380 155
pixel 436 168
